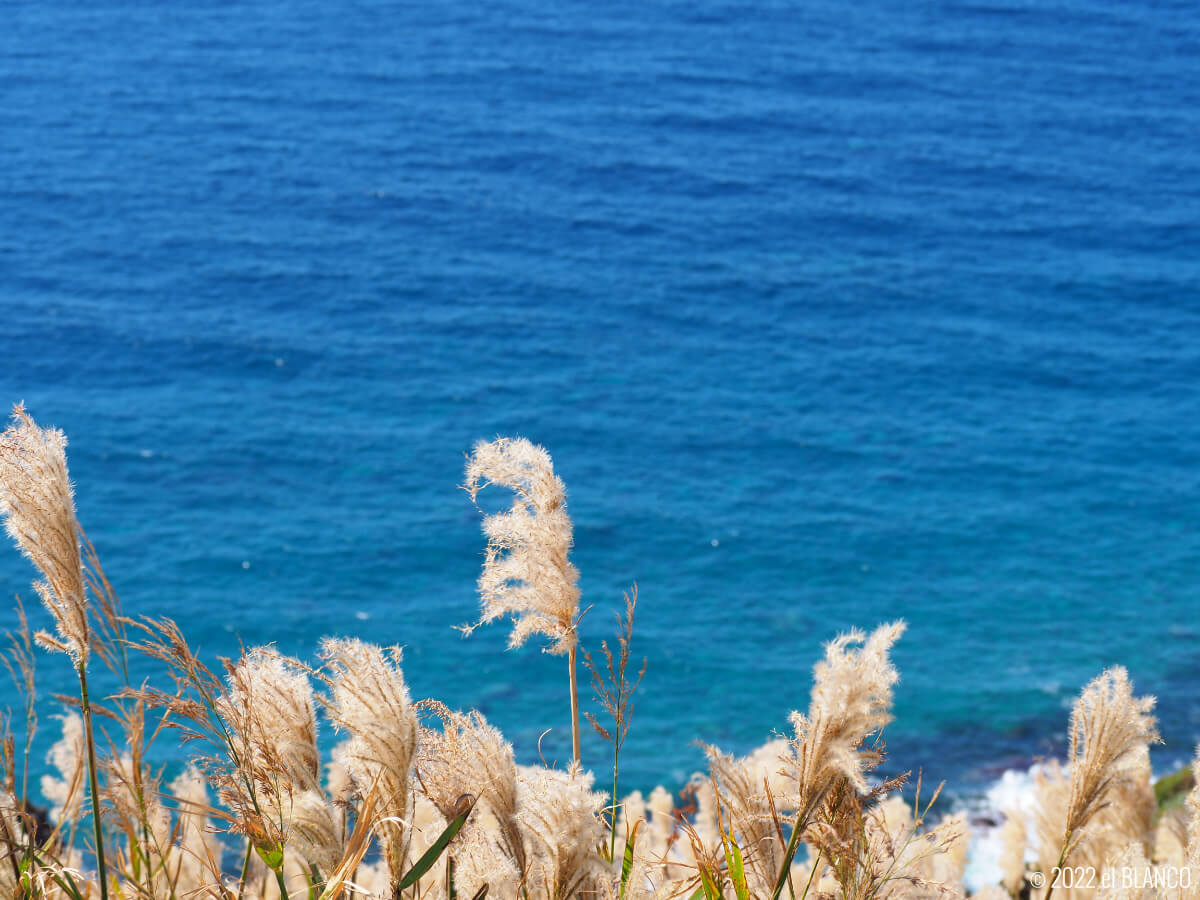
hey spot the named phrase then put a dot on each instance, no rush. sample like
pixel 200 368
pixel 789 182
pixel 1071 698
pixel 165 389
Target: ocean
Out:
pixel 828 316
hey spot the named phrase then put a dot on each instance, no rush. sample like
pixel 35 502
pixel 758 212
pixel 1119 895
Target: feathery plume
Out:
pixel 38 506
pixel 369 700
pixel 270 706
pixel 1111 731
pixel 478 861
pixel 469 756
pixel 851 699
pixel 526 573
pixel 274 790
pixel 560 814
pixel 313 832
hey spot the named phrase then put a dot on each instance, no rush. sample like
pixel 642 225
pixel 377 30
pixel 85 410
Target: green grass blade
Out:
pixel 737 871
pixel 627 861
pixel 425 863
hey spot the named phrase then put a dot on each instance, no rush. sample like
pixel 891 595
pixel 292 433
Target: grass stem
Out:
pixel 571 654
pixel 93 782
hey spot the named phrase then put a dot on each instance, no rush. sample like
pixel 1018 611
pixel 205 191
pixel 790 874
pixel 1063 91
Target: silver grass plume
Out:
pixel 526 573
pixel 851 699
pixel 369 700
pixel 38 506
pixel 561 817
pixel 479 861
pixel 1111 731
pixel 314 833
pixel 469 756
pixel 270 708
pixel 270 705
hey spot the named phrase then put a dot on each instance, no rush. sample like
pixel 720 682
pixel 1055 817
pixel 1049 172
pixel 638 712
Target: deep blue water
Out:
pixel 828 316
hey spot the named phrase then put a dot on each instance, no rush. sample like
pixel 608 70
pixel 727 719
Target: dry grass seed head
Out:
pixel 560 816
pixel 1111 731
pixel 369 701
pixel 851 700
pixel 526 572
pixel 467 756
pixel 38 505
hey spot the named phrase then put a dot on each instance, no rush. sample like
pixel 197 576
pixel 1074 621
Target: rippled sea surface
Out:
pixel 827 316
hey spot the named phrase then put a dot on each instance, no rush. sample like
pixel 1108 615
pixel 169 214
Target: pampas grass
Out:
pixel 38 506
pixel 526 572
pixel 421 802
pixel 369 701
pixel 1111 731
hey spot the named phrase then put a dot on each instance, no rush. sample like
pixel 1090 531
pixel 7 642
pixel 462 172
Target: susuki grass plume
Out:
pixel 1111 731
pixel 527 573
pixel 851 700
pixel 467 756
pixel 38 505
pixel 369 700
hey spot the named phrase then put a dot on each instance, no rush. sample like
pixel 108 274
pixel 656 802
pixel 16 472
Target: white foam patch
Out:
pixel 1013 793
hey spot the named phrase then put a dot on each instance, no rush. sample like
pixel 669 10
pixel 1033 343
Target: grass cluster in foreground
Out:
pixel 421 801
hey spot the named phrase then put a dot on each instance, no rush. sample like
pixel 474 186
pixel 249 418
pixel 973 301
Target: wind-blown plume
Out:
pixel 270 709
pixel 526 573
pixel 270 704
pixel 469 756
pixel 851 699
pixel 38 506
pixel 370 701
pixel 1111 731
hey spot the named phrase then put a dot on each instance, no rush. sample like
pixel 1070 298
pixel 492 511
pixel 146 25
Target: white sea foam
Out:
pixel 1013 794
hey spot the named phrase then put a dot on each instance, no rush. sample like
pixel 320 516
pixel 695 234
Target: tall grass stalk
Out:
pixel 614 689
pixel 527 573
pixel 93 782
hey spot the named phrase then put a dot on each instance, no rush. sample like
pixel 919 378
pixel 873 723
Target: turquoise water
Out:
pixel 827 318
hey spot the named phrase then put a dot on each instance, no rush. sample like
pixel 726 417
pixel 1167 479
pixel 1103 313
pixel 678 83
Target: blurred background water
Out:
pixel 827 317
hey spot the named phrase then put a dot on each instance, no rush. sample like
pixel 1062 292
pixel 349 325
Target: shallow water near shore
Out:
pixel 826 320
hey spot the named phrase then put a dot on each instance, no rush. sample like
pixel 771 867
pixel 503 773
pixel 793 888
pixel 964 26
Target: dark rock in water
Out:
pixel 39 818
